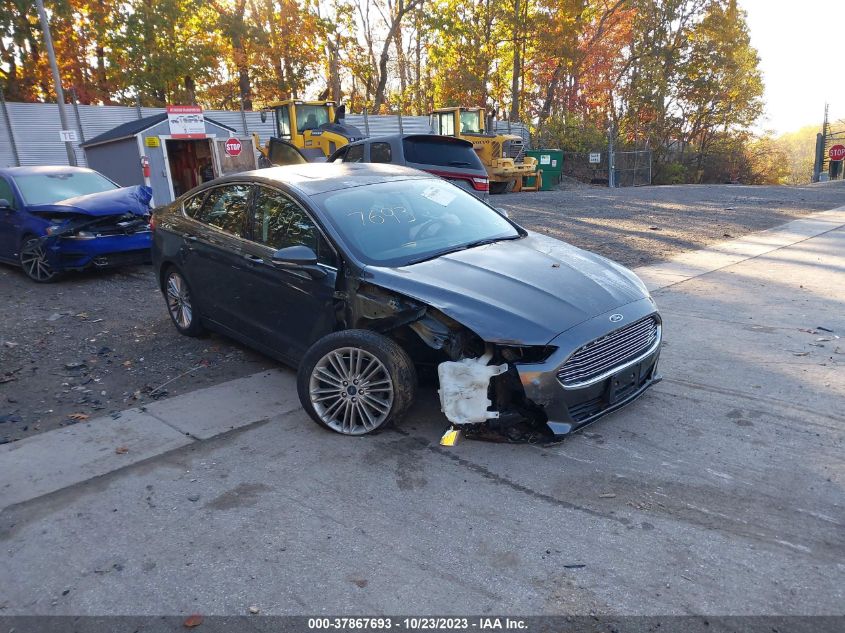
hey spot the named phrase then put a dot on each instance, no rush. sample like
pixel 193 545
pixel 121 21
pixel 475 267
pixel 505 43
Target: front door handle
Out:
pixel 254 259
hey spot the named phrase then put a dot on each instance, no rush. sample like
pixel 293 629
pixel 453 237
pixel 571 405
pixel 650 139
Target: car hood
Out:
pixel 135 200
pixel 521 292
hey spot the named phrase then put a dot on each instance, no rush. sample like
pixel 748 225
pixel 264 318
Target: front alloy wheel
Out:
pixel 33 258
pixel 356 381
pixel 351 391
pixel 178 296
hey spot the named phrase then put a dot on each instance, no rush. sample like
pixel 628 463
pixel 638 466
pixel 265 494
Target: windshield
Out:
pixel 470 121
pixel 400 223
pixel 50 188
pixel 310 117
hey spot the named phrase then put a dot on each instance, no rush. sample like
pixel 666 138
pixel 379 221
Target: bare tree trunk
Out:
pixel 402 9
pixel 517 62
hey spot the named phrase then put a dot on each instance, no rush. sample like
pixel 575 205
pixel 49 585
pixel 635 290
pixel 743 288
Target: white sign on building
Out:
pixel 186 121
pixel 68 136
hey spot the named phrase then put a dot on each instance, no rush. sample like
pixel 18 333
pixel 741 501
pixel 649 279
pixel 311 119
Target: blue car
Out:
pixel 56 219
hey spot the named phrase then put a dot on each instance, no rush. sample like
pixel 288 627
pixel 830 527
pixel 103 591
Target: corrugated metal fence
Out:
pixel 35 128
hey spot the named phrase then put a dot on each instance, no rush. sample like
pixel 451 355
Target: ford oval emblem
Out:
pixel 616 318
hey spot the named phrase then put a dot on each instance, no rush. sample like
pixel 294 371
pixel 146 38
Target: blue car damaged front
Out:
pixel 105 225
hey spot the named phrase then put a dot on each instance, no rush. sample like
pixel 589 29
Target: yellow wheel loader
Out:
pixel 315 128
pixel 503 155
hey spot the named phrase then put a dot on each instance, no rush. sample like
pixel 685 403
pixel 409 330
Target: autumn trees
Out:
pixel 677 76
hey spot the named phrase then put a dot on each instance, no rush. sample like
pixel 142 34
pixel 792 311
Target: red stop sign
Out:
pixel 837 152
pixel 233 147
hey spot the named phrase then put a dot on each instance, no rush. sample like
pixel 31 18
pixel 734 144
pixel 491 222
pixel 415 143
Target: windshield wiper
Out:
pixel 462 247
pixel 458 162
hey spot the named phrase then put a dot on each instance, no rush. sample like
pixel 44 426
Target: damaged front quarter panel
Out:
pixel 479 383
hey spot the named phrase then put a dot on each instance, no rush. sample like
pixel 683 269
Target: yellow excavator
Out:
pixel 503 155
pixel 315 128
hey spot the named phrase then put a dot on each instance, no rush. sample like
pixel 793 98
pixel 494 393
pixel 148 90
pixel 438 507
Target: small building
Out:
pixel 145 152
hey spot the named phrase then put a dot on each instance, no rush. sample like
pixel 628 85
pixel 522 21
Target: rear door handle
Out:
pixel 191 238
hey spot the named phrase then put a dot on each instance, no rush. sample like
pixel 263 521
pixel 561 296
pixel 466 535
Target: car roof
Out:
pixel 316 178
pixel 43 169
pixel 427 137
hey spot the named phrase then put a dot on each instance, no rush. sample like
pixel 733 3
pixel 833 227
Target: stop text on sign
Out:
pixel 837 152
pixel 233 147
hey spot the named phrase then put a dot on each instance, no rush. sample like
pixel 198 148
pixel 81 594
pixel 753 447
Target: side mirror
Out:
pixel 5 204
pixel 298 257
pixel 502 212
pixel 264 116
pixel 340 113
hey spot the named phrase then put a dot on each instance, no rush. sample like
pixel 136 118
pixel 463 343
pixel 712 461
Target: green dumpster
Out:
pixel 551 162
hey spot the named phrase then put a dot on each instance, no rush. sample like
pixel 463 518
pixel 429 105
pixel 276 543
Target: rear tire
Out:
pixel 33 259
pixel 356 382
pixel 180 304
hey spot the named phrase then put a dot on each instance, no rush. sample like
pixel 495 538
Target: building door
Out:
pixel 190 163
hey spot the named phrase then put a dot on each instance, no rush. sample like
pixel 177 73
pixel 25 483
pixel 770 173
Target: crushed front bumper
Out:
pixel 102 251
pixel 571 407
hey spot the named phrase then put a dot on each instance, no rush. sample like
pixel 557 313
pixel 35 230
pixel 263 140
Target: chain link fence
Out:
pixel 632 168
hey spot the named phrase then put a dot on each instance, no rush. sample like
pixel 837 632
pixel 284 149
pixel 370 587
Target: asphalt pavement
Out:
pixel 718 492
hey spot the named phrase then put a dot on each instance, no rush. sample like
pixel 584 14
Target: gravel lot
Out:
pixel 637 226
pixel 101 342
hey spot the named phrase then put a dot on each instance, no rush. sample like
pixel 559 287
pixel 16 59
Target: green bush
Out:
pixel 671 174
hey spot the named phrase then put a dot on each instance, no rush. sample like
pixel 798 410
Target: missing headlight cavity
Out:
pixel 486 400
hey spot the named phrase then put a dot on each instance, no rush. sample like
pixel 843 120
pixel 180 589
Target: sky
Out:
pixel 802 56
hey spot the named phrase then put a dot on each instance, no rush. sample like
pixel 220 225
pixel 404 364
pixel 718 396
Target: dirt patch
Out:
pixel 96 343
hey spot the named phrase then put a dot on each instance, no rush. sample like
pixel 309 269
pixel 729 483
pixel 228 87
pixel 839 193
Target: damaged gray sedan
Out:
pixel 361 275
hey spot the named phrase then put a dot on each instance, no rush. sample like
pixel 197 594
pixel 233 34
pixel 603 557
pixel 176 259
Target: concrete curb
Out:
pixel 58 459
pixel 692 264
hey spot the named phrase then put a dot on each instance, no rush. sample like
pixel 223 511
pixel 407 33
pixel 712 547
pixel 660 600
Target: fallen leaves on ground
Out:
pixel 121 450
pixel 192 621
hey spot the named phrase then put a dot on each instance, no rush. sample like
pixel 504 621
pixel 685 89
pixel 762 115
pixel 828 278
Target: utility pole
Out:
pixel 57 80
pixel 611 159
pixel 821 140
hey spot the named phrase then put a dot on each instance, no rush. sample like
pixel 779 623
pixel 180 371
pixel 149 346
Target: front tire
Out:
pixel 180 304
pixel 356 382
pixel 33 260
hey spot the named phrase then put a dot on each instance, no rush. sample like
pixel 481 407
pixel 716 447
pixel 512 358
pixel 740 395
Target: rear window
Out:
pixel 434 151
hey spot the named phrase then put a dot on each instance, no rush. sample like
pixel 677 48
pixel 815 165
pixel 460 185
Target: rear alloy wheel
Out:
pixel 33 260
pixel 179 305
pixel 356 382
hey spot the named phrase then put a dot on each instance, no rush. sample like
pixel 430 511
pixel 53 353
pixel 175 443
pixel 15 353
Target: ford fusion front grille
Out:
pixel 603 355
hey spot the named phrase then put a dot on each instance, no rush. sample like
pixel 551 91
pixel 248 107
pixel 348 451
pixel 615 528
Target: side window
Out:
pixel 446 123
pixel 280 222
pixel 283 118
pixel 339 155
pixel 225 208
pixel 6 192
pixel 193 204
pixel 355 154
pixel 380 153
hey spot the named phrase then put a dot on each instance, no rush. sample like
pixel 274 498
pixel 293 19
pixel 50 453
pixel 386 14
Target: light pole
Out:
pixel 57 80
